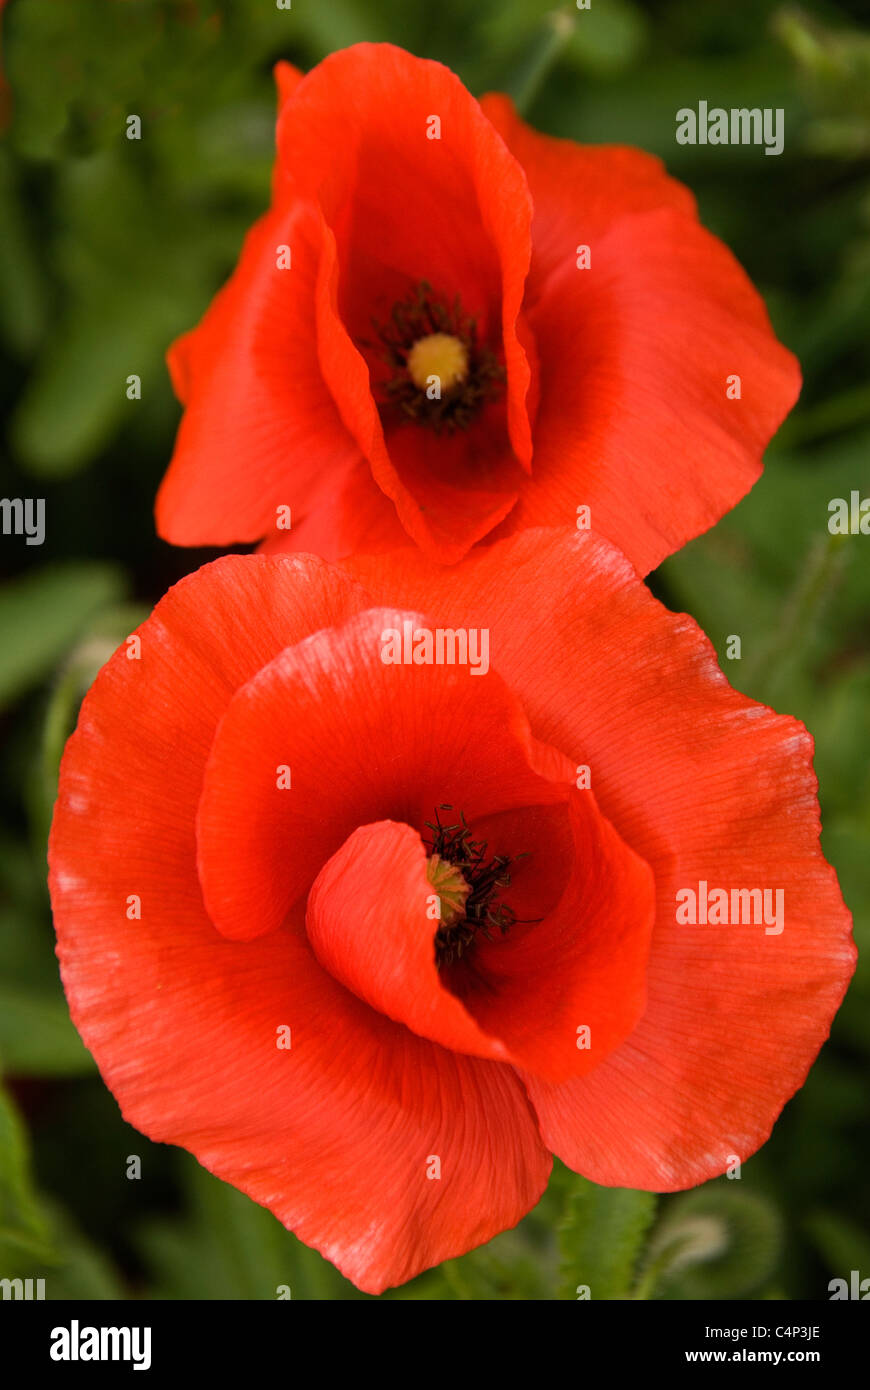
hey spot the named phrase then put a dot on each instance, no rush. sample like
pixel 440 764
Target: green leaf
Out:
pixel 600 1239
pixel 608 38
pixel 41 615
pixel 840 724
pixel 79 1269
pixel 23 298
pixel 77 398
pixel 228 1247
pixel 37 1037
pixel 841 1245
pixel 772 574
pixel 337 25
pixel 513 1267
pixel 24 1231
pixel 104 634
pixel 38 1240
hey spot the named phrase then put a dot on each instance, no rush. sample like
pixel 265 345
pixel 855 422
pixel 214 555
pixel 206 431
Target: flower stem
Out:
pixel 552 37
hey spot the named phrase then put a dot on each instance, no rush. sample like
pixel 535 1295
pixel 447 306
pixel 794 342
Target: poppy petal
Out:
pixel 640 360
pixel 443 227
pixel 187 1027
pixel 579 191
pixel 705 785
pixel 350 515
pixel 661 380
pixel 370 925
pixel 287 79
pixel 568 989
pixel 554 998
pixel 363 740
pixel 257 407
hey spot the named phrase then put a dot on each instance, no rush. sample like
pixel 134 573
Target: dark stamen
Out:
pixel 483 913
pixel 420 315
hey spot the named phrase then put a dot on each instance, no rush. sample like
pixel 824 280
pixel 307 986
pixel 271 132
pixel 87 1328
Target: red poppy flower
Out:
pixel 346 921
pixel 416 344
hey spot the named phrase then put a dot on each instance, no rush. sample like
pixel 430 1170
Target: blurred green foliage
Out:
pixel 108 249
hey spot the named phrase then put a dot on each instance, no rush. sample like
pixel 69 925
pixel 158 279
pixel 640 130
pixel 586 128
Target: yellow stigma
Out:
pixel 450 886
pixel 439 355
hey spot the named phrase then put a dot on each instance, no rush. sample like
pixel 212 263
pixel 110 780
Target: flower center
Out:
pixel 451 888
pixel 440 375
pixel 439 357
pixel 468 886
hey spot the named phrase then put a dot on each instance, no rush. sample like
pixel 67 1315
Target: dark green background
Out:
pixel 108 249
